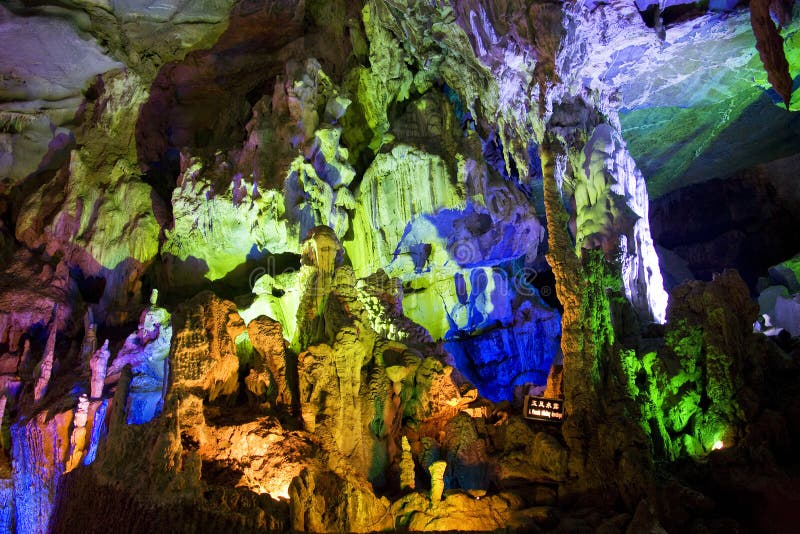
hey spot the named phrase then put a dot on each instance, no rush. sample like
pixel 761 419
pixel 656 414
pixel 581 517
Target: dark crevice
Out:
pixel 657 18
pixel 747 221
pixel 91 288
pixel 162 176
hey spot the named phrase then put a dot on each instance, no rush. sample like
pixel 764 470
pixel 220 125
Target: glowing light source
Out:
pixel 717 445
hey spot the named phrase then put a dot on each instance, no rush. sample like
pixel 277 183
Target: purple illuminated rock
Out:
pixel 787 314
pixel 146 352
pixel 43 77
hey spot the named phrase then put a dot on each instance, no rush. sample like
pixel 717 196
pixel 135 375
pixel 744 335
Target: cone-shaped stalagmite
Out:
pixel 46 368
pixel 99 365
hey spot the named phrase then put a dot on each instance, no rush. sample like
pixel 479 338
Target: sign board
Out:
pixel 544 409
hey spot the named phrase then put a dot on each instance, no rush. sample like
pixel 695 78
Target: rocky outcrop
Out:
pixel 527 456
pixel 461 511
pixel 256 454
pixel 96 214
pixel 325 502
pixel 331 382
pixel 40 450
pixel 33 289
pixel 702 388
pixel 44 78
pixel 204 359
pixel 268 380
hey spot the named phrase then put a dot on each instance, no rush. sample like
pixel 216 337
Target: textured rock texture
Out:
pixel 204 359
pixel 702 386
pixel 683 128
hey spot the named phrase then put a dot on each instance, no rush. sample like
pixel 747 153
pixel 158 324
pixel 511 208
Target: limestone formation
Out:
pixel 39 442
pixel 322 251
pixel 100 182
pixel 268 376
pixel 407 475
pixel 770 47
pixel 26 362
pixel 463 512
pixel 436 470
pixel 3 402
pixel 204 358
pixel 266 457
pixel 344 206
pixel 325 502
pixel 146 351
pixel 89 345
pixel 465 453
pixel 99 366
pixel 77 440
pixel 705 347
pixel 46 365
pixel 331 405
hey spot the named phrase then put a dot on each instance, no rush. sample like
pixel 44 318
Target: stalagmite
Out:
pixel 322 250
pixel 322 253
pixel 46 367
pixel 78 437
pixel 89 344
pixel 3 400
pixel 99 365
pixel 437 470
pixel 26 365
pixel 89 341
pixel 407 478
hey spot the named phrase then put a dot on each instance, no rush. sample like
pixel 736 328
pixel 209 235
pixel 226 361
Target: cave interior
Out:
pixel 399 265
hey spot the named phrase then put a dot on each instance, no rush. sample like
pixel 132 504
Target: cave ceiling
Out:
pixel 693 97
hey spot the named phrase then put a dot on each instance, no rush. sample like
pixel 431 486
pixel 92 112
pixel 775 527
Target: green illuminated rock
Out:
pixel 97 211
pixel 691 393
pixel 215 231
pixel 399 188
pixel 228 215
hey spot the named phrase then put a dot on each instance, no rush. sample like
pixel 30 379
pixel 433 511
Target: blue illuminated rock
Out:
pixel 513 354
pixel 146 351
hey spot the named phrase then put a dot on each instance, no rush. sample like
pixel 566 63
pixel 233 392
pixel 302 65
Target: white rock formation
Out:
pixel 99 365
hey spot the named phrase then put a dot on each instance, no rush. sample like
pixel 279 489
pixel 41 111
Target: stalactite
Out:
pixel 770 48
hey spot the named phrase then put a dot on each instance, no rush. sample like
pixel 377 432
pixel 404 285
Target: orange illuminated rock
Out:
pixel 204 355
